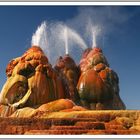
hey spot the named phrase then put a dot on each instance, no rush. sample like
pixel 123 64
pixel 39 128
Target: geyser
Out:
pixel 33 82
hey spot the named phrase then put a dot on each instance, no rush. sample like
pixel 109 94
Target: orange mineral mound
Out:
pixel 98 85
pixel 35 89
pixel 31 82
pixel 67 68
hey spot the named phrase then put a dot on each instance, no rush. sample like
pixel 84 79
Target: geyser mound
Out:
pixel 67 68
pixel 98 85
pixel 31 81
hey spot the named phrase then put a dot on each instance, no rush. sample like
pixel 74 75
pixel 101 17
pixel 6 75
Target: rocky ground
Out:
pixel 111 122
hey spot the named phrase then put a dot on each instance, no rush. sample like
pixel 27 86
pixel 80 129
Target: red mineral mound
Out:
pixel 98 84
pixel 67 68
pixel 31 82
pixel 34 88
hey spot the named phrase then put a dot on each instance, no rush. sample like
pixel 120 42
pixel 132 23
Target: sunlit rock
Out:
pixel 67 68
pixel 31 81
pixel 98 84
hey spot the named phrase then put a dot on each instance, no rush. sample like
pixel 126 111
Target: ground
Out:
pixel 110 122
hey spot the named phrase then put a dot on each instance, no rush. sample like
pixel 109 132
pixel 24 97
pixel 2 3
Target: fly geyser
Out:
pixel 32 82
pixel 48 92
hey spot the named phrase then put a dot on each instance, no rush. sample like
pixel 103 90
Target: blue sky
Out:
pixel 120 39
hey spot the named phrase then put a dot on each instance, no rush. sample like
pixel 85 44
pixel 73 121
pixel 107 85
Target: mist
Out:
pixel 89 28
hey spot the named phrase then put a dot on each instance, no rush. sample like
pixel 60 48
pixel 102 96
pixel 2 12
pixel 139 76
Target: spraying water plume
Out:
pixel 73 35
pixel 95 32
pixel 39 38
pixel 66 40
pixel 54 37
pixel 70 37
pixel 94 44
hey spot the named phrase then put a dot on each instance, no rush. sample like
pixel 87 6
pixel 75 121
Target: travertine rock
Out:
pixel 67 68
pixel 54 106
pixel 75 122
pixel 34 88
pixel 31 81
pixel 57 105
pixel 98 85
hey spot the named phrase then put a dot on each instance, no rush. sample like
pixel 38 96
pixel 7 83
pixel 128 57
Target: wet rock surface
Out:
pixel 31 82
pixel 67 68
pixel 98 85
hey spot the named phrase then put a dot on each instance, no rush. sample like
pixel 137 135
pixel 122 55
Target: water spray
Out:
pixel 66 40
pixel 52 38
pixel 95 32
pixel 93 38
pixel 37 36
